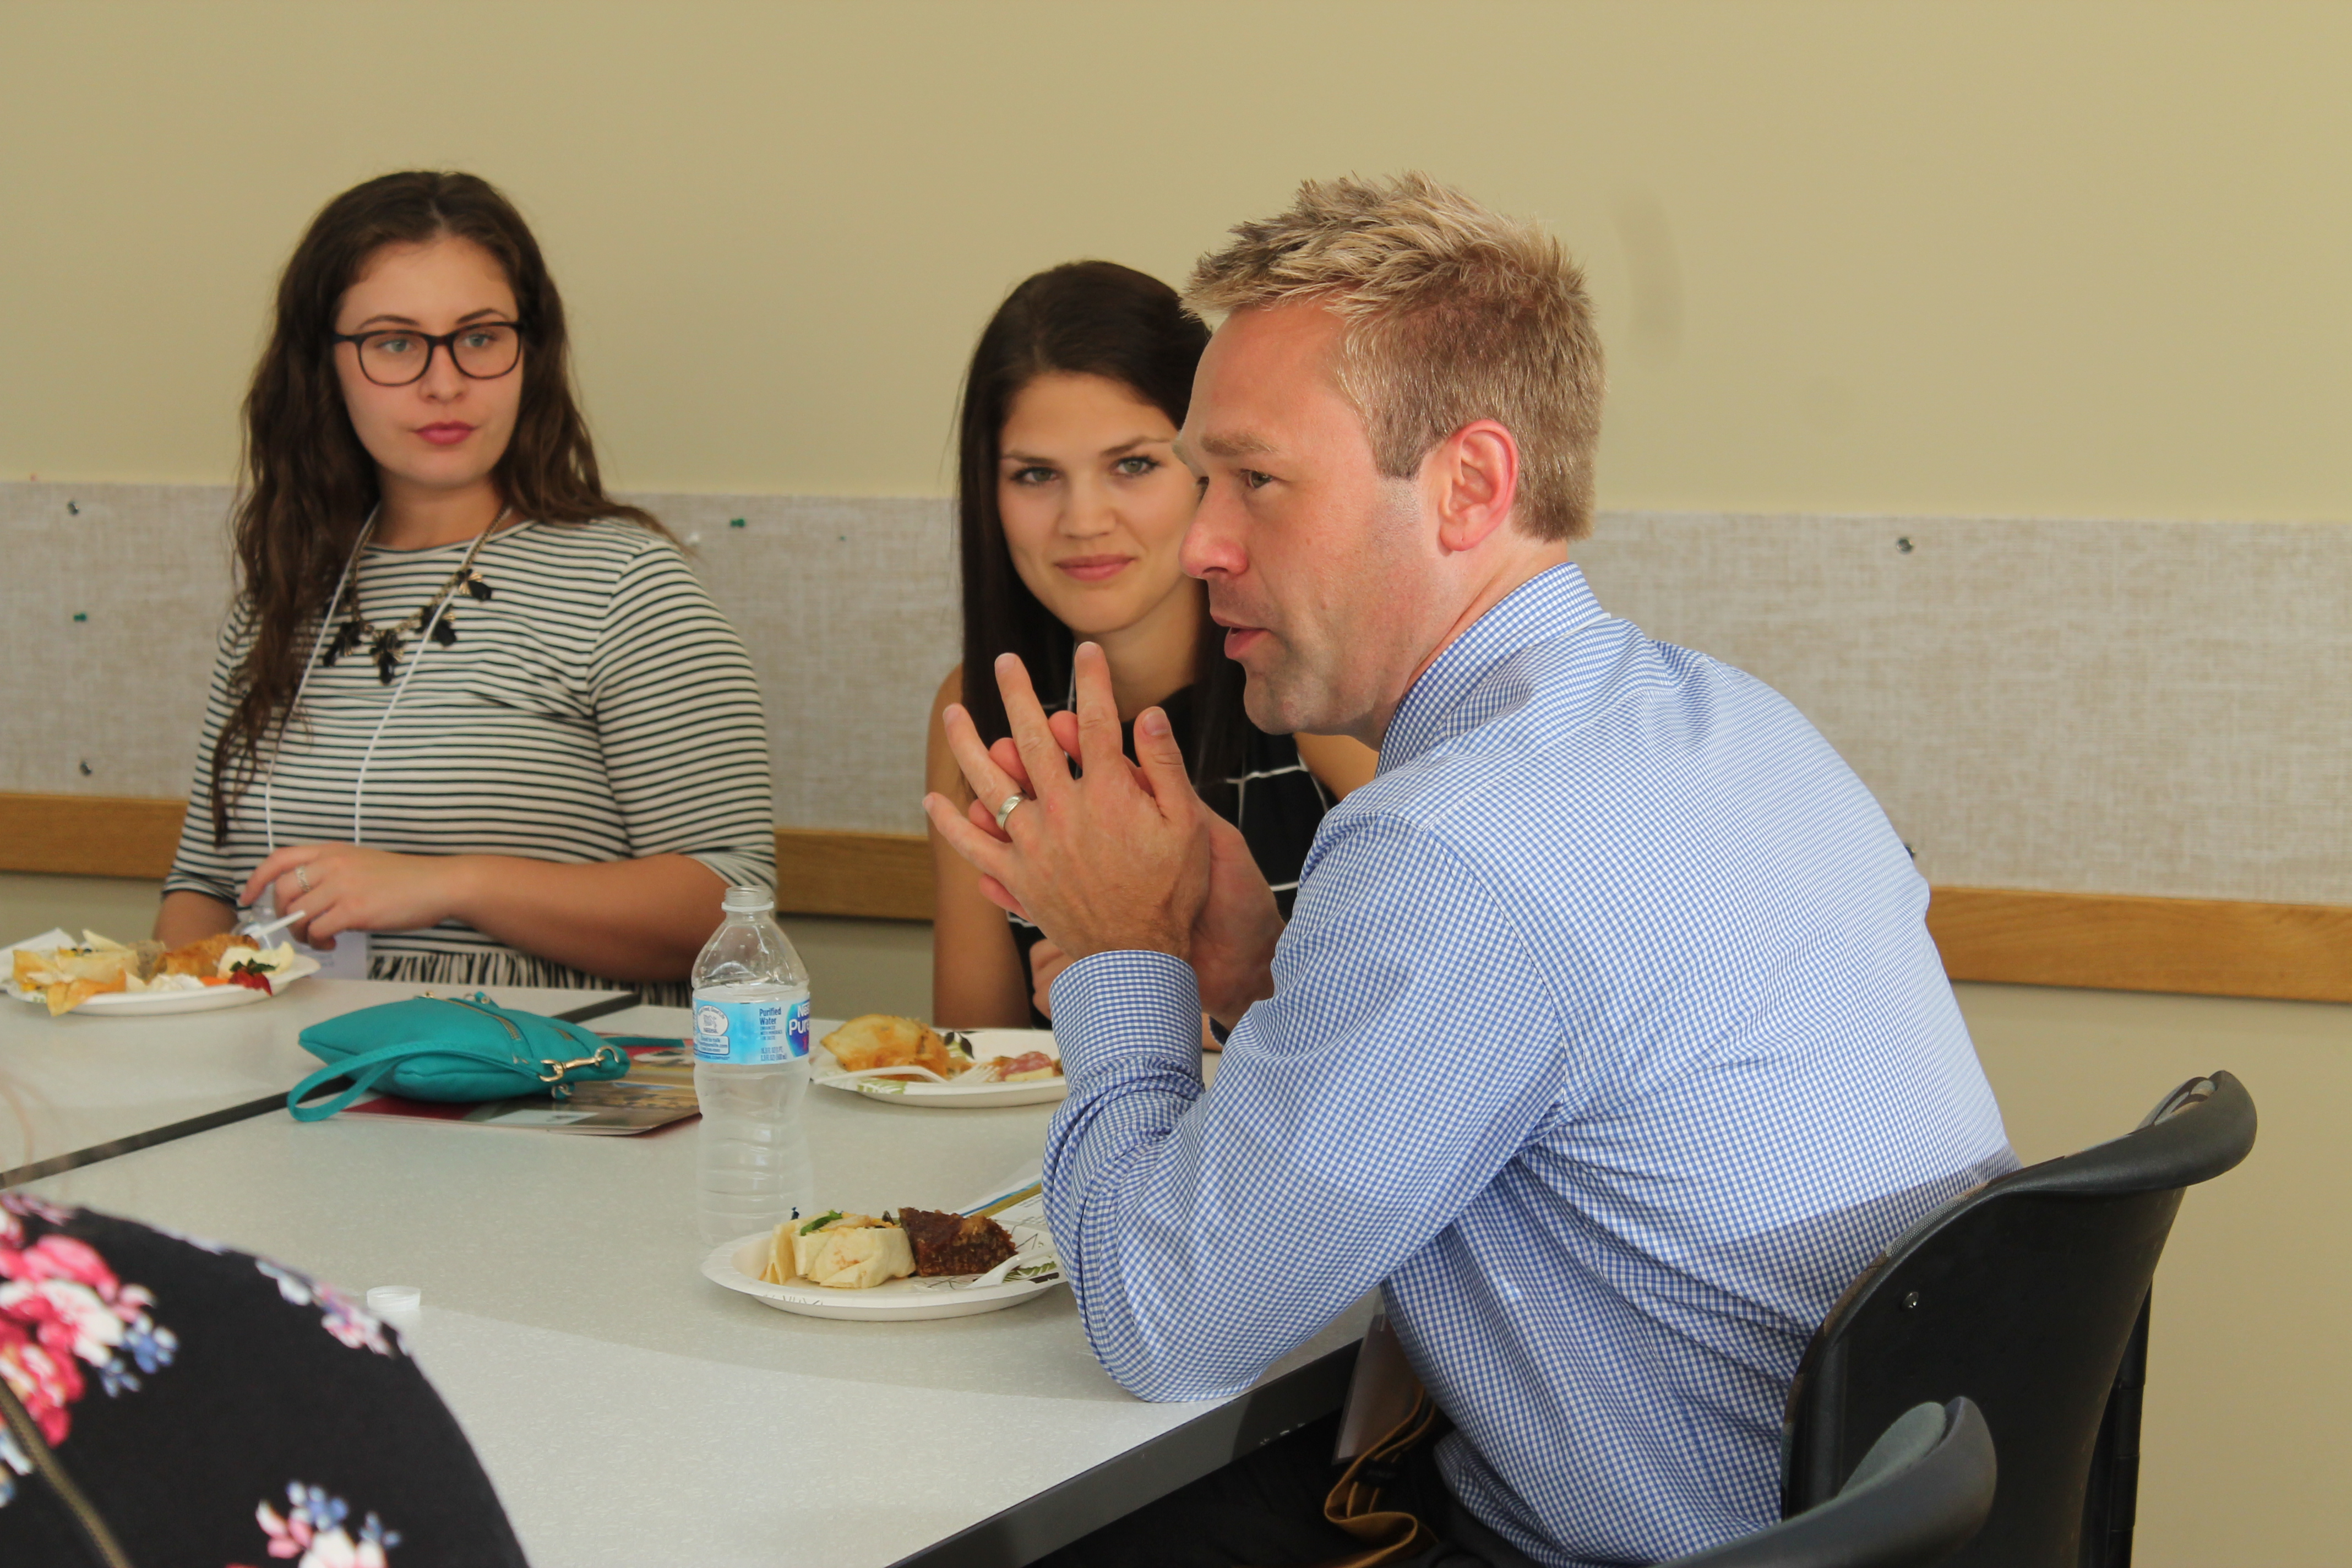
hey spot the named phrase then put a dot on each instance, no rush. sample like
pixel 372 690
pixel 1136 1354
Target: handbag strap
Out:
pixel 548 1070
pixel 362 1069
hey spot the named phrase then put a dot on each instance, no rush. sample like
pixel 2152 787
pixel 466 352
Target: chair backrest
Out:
pixel 1918 1496
pixel 2030 1292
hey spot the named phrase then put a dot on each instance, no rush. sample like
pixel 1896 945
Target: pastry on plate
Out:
pixel 884 1040
pixel 67 977
pixel 200 958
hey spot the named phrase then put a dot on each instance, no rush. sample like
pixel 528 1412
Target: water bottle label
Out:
pixel 751 1033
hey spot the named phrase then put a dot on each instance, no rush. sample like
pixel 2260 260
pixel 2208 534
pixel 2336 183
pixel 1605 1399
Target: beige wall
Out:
pixel 1966 260
pixel 1960 259
pixel 2249 1409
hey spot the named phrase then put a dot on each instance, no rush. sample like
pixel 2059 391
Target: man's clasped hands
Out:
pixel 1113 855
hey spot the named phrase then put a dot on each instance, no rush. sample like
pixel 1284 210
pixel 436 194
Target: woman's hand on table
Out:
pixel 355 889
pixel 623 920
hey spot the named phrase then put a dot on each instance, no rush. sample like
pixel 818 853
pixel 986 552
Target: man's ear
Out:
pixel 1474 475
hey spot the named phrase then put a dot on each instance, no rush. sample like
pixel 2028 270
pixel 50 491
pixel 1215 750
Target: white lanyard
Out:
pixel 334 600
pixel 423 645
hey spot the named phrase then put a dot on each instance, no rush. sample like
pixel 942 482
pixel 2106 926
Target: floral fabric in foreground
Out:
pixel 176 1381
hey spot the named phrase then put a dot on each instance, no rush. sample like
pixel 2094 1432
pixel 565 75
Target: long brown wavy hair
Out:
pixel 1084 318
pixel 308 485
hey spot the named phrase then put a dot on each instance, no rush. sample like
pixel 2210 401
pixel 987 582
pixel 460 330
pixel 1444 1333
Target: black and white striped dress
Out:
pixel 597 707
pixel 1277 802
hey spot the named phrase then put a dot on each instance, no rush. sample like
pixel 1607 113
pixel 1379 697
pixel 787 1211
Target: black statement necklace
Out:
pixel 383 643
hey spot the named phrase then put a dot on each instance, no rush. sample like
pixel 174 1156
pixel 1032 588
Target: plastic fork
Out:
pixel 271 929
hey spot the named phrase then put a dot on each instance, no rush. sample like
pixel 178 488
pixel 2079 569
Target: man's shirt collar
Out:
pixel 1548 606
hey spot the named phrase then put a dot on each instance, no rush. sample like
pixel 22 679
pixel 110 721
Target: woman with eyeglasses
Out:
pixel 473 720
pixel 1072 504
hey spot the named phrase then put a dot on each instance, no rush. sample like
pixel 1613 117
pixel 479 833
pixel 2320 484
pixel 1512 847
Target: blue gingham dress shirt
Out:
pixel 1606 1038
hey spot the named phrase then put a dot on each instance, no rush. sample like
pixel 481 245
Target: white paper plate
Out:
pixel 739 1264
pixel 986 1044
pixel 151 1004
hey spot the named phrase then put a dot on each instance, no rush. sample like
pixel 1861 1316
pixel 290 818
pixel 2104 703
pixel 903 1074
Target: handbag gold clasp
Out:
pixel 552 1072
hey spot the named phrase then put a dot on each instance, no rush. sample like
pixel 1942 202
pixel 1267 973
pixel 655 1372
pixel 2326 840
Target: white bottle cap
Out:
pixel 747 901
pixel 399 1305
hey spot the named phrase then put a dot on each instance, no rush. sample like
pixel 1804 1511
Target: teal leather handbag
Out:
pixel 450 1049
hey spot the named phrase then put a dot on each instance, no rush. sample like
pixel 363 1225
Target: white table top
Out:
pixel 628 1410
pixel 85 1079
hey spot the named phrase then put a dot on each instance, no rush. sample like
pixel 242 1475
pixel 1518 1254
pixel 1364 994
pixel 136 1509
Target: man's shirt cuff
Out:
pixel 1139 1007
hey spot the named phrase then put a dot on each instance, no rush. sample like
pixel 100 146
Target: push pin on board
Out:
pixel 81 615
pixel 72 511
pixel 737 523
pixel 86 769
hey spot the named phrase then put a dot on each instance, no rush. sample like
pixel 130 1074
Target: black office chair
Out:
pixel 1916 1498
pixel 2032 1293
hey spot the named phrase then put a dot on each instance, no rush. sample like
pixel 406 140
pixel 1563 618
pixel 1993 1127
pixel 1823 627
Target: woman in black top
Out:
pixel 1072 506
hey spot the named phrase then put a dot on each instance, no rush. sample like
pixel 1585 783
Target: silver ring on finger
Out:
pixel 302 874
pixel 1006 811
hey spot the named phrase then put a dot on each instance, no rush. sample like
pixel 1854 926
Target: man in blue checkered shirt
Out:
pixel 1606 1037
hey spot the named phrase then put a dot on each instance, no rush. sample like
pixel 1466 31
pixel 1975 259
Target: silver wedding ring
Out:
pixel 302 873
pixel 1005 810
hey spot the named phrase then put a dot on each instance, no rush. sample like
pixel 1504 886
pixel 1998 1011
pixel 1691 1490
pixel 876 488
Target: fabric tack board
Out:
pixel 2150 708
pixel 2145 708
pixel 847 606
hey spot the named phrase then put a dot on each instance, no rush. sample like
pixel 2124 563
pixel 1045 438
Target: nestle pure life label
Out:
pixel 751 1034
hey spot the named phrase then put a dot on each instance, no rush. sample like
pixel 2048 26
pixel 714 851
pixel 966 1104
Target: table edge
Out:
pixel 1148 1472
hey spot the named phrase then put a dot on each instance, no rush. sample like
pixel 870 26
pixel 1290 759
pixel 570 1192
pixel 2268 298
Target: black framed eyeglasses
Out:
pixel 395 357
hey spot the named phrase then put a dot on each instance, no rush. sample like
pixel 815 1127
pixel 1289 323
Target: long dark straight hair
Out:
pixel 1083 317
pixel 309 484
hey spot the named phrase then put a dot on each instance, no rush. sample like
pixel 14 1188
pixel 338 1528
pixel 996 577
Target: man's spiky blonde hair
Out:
pixel 1453 314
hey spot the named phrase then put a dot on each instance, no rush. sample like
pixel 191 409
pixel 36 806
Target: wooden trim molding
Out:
pixel 88 835
pixel 2114 941
pixel 2210 947
pixel 874 876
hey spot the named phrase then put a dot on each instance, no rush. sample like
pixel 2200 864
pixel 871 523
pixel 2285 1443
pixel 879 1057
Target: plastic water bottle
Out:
pixel 750 1072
